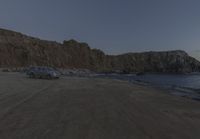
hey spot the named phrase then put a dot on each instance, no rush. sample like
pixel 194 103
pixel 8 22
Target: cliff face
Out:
pixel 171 61
pixel 18 50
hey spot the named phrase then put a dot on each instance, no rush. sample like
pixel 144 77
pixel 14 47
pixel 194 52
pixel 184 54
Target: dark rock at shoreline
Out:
pixel 18 50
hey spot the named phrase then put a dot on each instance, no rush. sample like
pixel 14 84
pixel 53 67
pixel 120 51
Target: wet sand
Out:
pixel 89 108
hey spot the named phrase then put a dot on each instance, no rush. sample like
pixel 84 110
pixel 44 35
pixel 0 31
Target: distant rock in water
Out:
pixel 18 50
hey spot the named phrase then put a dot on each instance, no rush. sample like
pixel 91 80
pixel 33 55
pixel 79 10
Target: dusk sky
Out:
pixel 115 26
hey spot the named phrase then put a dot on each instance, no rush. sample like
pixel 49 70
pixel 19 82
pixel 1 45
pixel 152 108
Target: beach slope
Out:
pixel 89 108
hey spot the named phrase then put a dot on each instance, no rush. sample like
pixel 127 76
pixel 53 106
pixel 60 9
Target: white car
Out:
pixel 43 73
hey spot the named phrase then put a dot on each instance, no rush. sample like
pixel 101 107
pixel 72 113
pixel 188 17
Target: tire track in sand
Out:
pixel 33 95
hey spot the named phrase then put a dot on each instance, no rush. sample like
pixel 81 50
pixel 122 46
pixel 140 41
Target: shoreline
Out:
pixel 74 107
pixel 175 90
pixel 181 91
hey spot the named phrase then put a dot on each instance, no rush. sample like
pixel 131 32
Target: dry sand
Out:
pixel 86 108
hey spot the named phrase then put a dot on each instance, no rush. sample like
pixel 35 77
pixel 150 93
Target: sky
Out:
pixel 115 26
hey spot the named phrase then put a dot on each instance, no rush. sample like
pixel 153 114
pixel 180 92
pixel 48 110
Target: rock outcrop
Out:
pixel 18 50
pixel 168 62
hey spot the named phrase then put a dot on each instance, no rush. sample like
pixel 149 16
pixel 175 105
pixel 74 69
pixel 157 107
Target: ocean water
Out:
pixel 182 85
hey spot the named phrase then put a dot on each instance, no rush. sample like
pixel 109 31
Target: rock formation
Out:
pixel 18 50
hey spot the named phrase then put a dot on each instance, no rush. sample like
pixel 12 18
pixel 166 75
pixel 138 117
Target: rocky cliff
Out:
pixel 18 50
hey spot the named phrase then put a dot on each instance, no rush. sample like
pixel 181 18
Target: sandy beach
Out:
pixel 89 108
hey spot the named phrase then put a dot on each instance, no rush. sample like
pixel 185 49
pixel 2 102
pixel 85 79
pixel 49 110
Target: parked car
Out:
pixel 43 73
